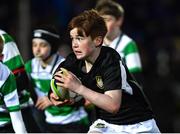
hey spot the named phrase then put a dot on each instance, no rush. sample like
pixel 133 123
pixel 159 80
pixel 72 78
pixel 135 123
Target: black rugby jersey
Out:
pixel 108 73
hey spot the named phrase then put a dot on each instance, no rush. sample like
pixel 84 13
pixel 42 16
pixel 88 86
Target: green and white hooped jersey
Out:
pixel 12 57
pixel 128 50
pixel 9 101
pixel 41 78
pixel 13 60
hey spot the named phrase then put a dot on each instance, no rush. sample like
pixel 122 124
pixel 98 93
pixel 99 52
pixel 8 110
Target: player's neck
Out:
pixel 46 62
pixel 88 66
pixel 109 38
pixel 91 60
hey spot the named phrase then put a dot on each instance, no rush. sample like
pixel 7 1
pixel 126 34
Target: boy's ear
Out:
pixel 98 41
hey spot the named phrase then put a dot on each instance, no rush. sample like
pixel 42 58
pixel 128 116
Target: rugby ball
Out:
pixel 64 93
pixel 59 91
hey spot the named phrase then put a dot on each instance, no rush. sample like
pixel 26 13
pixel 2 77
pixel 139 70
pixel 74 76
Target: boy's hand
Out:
pixel 55 100
pixel 43 102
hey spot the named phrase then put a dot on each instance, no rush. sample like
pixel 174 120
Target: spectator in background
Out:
pixel 10 114
pixel 113 14
pixel 13 60
pixel 63 119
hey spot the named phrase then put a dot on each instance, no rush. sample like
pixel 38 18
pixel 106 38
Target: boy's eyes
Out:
pixel 107 19
pixel 78 38
pixel 40 45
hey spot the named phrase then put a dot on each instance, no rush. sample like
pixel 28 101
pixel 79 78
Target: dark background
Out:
pixel 153 24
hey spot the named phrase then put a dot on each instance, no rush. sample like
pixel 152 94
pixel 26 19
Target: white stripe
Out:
pixel 2 108
pixel 72 117
pixel 4 74
pixel 11 99
pixel 39 73
pixel 2 32
pixel 125 85
pixel 123 43
pixel 133 60
pixel 17 122
pixel 40 93
pixel 3 123
pixel 10 50
pixel 41 76
pixel 46 32
pixel 123 76
pixel 56 66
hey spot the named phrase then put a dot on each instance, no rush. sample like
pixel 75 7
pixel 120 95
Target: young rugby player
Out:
pixel 98 73
pixel 66 119
pixel 10 114
pixel 14 61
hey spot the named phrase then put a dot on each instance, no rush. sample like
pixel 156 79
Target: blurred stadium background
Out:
pixel 153 24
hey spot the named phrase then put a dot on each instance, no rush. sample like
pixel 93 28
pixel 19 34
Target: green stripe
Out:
pixel 43 85
pixel 5 119
pixel 7 38
pixel 130 48
pixel 65 110
pixel 14 108
pixel 84 121
pixel 135 70
pixel 28 66
pixel 14 62
pixel 4 116
pixel 9 86
pixel 24 98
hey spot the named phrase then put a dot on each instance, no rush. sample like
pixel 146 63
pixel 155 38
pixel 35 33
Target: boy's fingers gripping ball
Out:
pixel 64 93
pixel 59 91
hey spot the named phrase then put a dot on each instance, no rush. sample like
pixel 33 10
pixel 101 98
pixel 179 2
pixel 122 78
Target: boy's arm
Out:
pixel 12 103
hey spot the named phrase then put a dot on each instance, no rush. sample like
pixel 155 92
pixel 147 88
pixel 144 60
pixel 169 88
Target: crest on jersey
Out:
pixel 99 82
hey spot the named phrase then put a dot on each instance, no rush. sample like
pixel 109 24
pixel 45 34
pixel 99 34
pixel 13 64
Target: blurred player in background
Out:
pixel 13 60
pixel 10 114
pixel 63 119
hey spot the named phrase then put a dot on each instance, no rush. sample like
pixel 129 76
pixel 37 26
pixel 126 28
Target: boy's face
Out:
pixel 82 46
pixel 112 23
pixel 41 49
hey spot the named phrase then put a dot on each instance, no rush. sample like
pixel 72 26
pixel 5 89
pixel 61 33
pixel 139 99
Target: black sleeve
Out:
pixel 138 77
pixel 23 83
pixel 21 77
pixel 112 76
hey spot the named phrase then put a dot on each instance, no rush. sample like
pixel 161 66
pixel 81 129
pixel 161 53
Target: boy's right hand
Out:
pixel 55 100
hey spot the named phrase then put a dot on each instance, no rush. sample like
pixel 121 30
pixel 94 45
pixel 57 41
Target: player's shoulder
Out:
pixel 71 58
pixel 127 39
pixel 68 63
pixel 110 53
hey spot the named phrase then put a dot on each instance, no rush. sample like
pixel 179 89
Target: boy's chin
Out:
pixel 79 57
